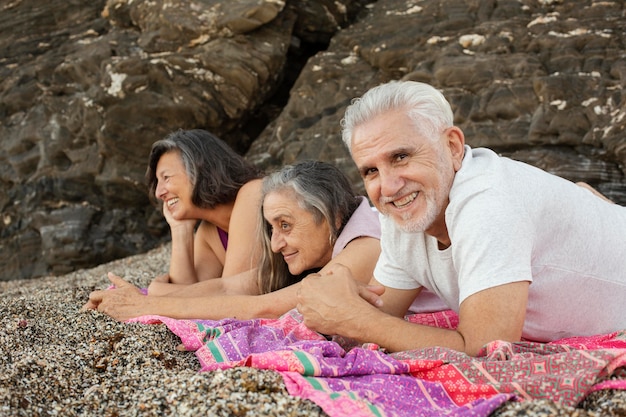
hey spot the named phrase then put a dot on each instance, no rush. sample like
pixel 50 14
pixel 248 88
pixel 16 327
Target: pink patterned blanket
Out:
pixel 365 381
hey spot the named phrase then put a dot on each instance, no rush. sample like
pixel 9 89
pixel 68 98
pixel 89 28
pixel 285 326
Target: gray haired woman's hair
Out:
pixel 215 170
pixel 425 105
pixel 319 188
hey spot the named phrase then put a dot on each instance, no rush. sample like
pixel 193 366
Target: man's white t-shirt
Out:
pixel 509 221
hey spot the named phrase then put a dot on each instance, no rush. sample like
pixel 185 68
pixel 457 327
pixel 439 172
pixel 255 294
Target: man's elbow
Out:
pixel 476 347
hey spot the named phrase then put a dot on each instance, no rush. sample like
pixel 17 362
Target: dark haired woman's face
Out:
pixel 295 235
pixel 173 185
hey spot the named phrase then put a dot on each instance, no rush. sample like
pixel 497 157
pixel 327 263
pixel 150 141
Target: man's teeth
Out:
pixel 406 200
pixel 172 201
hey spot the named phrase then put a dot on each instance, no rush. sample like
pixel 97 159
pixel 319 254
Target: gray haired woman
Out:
pixel 318 188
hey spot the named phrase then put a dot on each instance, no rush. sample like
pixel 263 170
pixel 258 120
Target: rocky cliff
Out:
pixel 87 87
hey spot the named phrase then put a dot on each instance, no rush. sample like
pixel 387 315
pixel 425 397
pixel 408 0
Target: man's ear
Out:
pixel 456 143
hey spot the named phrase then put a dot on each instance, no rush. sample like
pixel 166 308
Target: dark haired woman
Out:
pixel 198 177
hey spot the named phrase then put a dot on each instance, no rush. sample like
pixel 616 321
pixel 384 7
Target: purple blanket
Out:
pixel 365 381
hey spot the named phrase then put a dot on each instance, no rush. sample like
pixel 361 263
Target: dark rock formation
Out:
pixel 542 82
pixel 86 88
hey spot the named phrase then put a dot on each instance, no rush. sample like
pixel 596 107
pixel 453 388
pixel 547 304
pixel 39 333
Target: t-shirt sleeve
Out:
pixel 392 276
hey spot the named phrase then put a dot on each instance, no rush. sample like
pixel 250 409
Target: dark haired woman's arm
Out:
pixel 192 258
pixel 244 248
pixel 214 299
pixel 202 300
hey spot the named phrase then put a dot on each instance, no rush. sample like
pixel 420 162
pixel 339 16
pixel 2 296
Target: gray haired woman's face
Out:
pixel 302 242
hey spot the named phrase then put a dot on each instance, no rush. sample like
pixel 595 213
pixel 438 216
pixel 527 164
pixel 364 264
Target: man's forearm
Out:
pixel 396 334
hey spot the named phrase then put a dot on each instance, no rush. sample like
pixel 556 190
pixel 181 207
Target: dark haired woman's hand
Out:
pixel 174 222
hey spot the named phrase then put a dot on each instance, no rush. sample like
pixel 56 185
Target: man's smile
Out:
pixel 405 201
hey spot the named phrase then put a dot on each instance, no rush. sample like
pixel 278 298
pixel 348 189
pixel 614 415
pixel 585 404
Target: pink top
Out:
pixel 363 222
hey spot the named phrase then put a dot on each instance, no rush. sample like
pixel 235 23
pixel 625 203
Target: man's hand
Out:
pixel 121 303
pixel 335 303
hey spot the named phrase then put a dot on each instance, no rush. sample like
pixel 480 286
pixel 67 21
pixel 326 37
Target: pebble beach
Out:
pixel 56 360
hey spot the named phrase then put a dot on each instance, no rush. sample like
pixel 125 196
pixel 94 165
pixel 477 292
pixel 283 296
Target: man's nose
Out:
pixel 390 183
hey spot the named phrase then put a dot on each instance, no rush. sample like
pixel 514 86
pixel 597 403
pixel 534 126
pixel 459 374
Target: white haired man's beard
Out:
pixel 436 199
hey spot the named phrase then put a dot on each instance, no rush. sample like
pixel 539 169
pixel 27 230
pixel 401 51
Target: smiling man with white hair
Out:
pixel 516 251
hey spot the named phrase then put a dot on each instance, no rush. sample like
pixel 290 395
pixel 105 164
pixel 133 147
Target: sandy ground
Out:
pixel 57 360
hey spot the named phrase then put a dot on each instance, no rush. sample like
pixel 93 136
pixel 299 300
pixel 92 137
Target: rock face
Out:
pixel 86 88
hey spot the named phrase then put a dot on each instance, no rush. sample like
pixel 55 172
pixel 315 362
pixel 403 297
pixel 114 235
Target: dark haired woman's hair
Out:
pixel 215 170
pixel 319 188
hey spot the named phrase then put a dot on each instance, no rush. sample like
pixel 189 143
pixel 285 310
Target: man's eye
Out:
pixel 370 171
pixel 284 226
pixel 401 156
